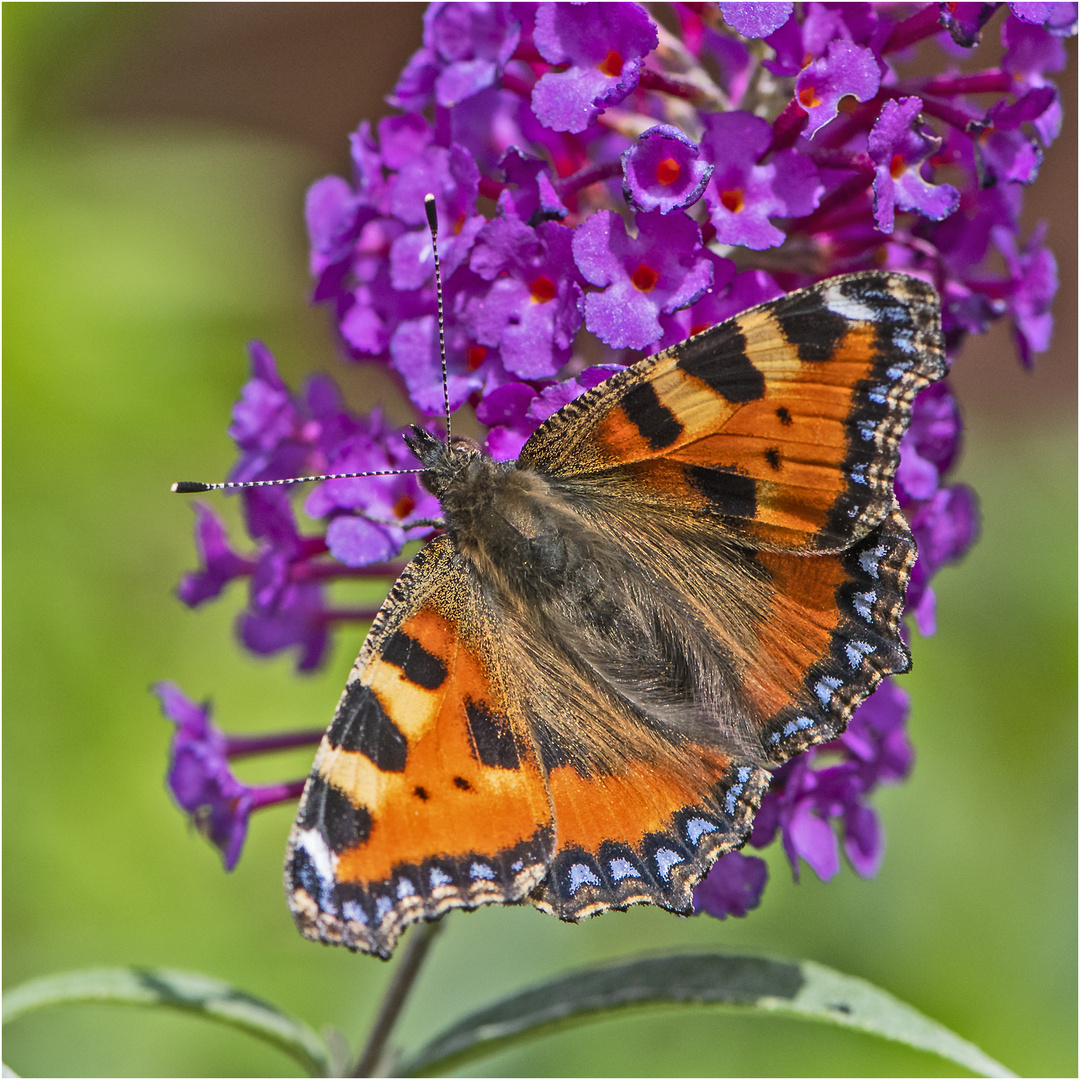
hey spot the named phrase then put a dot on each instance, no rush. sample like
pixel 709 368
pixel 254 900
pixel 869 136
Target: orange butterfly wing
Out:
pixel 783 422
pixel 426 792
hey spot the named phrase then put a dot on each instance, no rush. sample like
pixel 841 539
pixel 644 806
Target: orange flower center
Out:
pixel 808 98
pixel 475 356
pixel 645 278
pixel 897 166
pixel 542 289
pixel 611 64
pixel 404 507
pixel 732 199
pixel 667 171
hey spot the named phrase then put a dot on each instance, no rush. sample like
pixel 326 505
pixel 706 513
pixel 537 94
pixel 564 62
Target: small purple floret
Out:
pixel 743 194
pixel 603 46
pixel 199 775
pixel 660 270
pixel 661 171
pixel 845 69
pixel 220 564
pixel 898 147
pixel 533 303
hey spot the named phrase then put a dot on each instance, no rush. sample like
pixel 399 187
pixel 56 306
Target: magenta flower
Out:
pixel 220 564
pixel 533 305
pixel 585 175
pixel 1003 151
pixel 743 194
pixel 466 48
pixel 659 271
pixel 201 780
pixel 733 886
pixel 603 47
pixel 662 171
pixel 898 151
pixel 831 783
pixel 530 195
pixel 1033 283
pixel 845 69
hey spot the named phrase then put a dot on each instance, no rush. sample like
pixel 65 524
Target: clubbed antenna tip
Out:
pixel 433 225
pixel 186 487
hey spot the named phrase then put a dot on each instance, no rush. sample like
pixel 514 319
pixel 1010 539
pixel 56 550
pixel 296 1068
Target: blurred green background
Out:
pixel 155 162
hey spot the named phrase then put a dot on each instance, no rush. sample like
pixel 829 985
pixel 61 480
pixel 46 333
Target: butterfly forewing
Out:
pixel 426 793
pixel 783 422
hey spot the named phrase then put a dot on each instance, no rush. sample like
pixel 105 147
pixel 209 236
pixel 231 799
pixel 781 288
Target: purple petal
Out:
pixel 192 720
pixel 845 69
pixel 756 20
pixel 330 213
pixel 415 88
pixel 732 887
pixel 221 564
pixel 864 843
pixel 811 839
pixel 357 542
pixel 622 317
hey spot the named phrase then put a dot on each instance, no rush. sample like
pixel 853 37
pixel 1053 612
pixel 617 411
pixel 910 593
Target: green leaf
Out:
pixel 796 988
pixel 183 990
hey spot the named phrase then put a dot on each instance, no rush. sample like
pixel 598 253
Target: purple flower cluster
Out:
pixel 203 784
pixel 595 171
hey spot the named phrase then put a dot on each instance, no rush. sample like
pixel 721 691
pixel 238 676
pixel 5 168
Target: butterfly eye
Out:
pixel 463 442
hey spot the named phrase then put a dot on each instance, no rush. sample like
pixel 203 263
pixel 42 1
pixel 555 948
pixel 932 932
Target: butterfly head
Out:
pixel 444 463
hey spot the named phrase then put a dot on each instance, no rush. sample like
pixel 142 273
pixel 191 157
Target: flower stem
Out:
pixel 924 23
pixel 571 185
pixel 668 84
pixel 242 745
pixel 416 949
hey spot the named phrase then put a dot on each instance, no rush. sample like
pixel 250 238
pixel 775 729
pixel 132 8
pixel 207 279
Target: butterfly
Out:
pixel 573 695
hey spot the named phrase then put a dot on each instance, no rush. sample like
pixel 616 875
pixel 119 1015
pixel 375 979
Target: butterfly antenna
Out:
pixel 188 487
pixel 433 225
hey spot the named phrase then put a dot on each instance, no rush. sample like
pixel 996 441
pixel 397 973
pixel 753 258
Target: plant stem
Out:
pixel 416 949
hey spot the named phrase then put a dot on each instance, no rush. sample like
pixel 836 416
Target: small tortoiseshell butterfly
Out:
pixel 572 696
